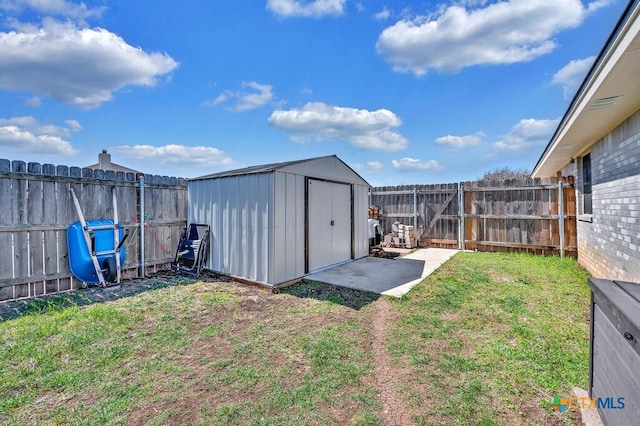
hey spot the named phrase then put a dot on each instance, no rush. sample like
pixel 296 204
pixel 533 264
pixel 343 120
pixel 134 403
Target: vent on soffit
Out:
pixel 604 103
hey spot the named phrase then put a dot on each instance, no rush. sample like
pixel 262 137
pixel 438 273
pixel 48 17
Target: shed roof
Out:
pixel 609 94
pixel 262 168
pixel 285 166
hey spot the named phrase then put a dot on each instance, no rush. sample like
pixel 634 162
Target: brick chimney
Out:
pixel 104 160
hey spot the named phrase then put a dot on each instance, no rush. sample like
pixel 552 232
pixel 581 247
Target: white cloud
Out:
pixel 53 7
pixel 461 141
pixel 362 128
pixel 528 133
pixel 369 166
pixel 572 74
pixel 260 95
pixel 175 154
pixel 22 135
pixel 383 15
pixel 308 9
pixel 457 37
pixel 74 125
pixel 34 101
pixel 31 124
pixel 82 67
pixel 374 166
pixel 220 99
pixel 249 101
pixel 408 163
pixel 598 4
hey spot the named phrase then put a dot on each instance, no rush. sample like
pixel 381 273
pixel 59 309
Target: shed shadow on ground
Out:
pixel 92 295
pixel 351 298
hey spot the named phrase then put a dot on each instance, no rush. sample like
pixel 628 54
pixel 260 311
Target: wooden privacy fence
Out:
pixel 37 208
pixel 537 216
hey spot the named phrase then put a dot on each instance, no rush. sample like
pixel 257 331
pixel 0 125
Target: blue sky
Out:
pixel 403 91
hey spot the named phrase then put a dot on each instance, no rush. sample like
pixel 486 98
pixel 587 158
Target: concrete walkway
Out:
pixel 391 277
pixel 432 258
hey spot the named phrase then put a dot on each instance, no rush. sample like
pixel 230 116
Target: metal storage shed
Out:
pixel 278 222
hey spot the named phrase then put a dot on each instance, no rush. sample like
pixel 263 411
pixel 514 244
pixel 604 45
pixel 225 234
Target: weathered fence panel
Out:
pixel 432 209
pixel 37 209
pixel 520 215
pixel 511 215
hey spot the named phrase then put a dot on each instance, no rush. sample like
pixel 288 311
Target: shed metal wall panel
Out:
pixel 288 234
pixel 360 219
pixel 239 211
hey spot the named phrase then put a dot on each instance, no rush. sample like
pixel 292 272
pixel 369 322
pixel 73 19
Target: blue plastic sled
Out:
pixel 80 262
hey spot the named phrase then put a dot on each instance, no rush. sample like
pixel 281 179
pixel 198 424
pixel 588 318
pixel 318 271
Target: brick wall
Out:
pixel 609 240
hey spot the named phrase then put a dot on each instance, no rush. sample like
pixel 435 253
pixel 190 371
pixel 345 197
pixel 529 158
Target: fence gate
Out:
pixel 434 211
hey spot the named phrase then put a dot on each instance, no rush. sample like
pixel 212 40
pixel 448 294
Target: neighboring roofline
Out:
pixel 270 168
pixel 130 170
pixel 622 21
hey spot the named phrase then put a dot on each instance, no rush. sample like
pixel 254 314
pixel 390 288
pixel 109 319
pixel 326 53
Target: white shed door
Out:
pixel 329 223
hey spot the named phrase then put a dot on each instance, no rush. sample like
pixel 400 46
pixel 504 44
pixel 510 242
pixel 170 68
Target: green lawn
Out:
pixel 490 338
pixel 207 353
pixel 487 339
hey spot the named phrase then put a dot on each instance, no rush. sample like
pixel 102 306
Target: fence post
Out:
pixel 461 231
pixel 561 217
pixel 141 216
pixel 415 210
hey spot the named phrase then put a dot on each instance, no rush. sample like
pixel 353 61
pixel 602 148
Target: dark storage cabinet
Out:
pixel 615 351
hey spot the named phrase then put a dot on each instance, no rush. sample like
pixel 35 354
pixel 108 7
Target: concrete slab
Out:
pixel 392 277
pixel 433 258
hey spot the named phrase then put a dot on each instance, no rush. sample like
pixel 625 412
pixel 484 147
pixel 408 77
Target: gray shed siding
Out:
pixel 360 218
pixel 609 245
pixel 289 215
pixel 239 211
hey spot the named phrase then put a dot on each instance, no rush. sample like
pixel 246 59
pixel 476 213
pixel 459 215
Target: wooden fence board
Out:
pixel 35 203
pixel 20 239
pixel 50 249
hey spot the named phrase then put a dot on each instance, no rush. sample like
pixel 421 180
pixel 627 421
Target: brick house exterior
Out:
pixel 598 142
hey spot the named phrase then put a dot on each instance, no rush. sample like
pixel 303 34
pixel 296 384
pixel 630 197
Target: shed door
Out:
pixel 329 223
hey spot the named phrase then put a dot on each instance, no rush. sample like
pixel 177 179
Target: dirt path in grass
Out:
pixel 394 409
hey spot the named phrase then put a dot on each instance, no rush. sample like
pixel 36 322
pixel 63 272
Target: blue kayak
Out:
pixel 79 256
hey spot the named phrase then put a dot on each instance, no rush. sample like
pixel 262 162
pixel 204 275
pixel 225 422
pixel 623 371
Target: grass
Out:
pixel 200 354
pixel 490 338
pixel 487 339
